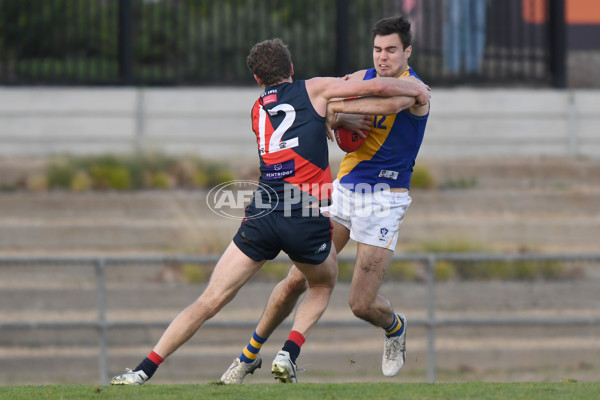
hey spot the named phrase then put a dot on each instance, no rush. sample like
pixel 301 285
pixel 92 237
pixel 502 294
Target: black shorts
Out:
pixel 305 239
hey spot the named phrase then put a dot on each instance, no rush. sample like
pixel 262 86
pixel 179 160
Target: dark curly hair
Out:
pixel 399 25
pixel 270 61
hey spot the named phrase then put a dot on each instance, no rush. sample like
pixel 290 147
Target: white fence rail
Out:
pixel 215 122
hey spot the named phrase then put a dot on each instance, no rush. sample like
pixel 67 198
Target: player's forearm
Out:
pixel 409 86
pixel 399 87
pixel 372 105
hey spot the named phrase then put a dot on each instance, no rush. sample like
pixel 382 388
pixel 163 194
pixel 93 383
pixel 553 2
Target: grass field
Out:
pixel 379 391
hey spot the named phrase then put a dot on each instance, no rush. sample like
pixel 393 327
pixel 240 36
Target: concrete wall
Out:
pixel 215 122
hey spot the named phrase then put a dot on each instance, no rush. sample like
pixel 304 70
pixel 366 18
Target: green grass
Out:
pixel 381 391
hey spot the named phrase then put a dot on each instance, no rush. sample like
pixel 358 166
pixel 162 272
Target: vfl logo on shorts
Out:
pixel 382 233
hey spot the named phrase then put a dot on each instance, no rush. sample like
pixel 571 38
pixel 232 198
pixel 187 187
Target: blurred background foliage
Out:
pixel 205 42
pixel 189 39
pixel 133 172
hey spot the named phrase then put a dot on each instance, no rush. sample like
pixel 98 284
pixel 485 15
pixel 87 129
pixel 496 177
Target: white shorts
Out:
pixel 372 218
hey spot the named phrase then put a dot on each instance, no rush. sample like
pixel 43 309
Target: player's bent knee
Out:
pixel 329 272
pixel 360 309
pixel 324 274
pixel 296 286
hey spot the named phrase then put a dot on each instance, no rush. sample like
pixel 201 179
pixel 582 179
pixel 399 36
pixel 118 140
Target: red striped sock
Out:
pixel 297 338
pixel 155 358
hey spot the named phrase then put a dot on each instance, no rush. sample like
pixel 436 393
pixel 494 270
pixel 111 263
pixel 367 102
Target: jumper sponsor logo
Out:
pixel 384 173
pixel 280 170
pixel 229 199
pixel 272 98
pixel 269 97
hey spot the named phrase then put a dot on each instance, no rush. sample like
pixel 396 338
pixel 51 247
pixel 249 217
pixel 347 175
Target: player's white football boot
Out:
pixel 238 370
pixel 283 368
pixel 130 378
pixel 394 351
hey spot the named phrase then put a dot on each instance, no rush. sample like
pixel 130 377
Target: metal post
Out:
pixel 341 63
pixel 431 322
pixel 573 125
pixel 125 42
pixel 558 43
pixel 140 125
pixel 102 325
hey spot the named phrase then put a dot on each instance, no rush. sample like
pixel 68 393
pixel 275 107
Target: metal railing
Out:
pixel 205 42
pixel 431 322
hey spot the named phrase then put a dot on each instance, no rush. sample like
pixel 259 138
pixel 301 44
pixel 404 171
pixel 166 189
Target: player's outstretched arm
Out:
pixel 331 88
pixel 371 105
pixel 321 90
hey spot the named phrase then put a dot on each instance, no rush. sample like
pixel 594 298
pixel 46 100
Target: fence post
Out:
pixel 102 325
pixel 431 323
pixel 341 59
pixel 572 125
pixel 125 42
pixel 558 43
pixel 140 122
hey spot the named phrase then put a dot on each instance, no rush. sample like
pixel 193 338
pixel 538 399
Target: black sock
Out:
pixel 147 366
pixel 292 348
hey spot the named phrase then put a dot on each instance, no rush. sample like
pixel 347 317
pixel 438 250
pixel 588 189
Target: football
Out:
pixel 347 140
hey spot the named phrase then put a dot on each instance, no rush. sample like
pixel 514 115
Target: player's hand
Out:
pixel 356 123
pixel 422 99
pixel 424 96
pixel 330 122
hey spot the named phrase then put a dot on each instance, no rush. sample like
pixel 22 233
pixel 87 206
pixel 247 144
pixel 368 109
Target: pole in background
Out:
pixel 341 59
pixel 102 324
pixel 558 43
pixel 431 321
pixel 125 43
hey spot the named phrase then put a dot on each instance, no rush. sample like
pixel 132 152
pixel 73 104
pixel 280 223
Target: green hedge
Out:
pixel 134 172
